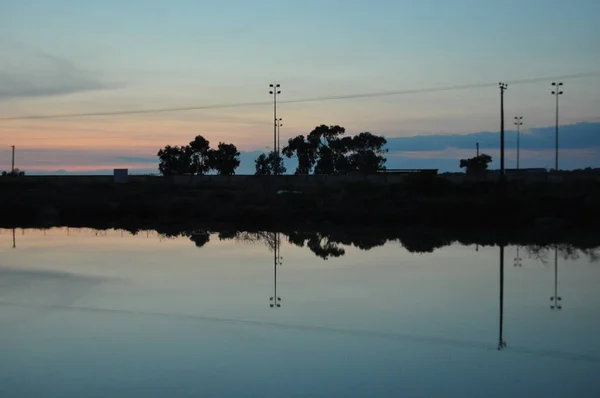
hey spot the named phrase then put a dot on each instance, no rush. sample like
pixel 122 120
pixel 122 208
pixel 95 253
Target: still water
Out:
pixel 87 313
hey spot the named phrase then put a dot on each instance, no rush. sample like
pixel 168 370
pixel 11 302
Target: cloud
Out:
pixel 28 72
pixel 573 136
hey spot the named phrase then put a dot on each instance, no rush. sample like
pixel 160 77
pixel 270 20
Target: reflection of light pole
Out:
pixel 517 259
pixel 556 299
pixel 275 91
pixel 518 123
pixel 556 87
pixel 275 299
pixel 501 341
pixel 14 239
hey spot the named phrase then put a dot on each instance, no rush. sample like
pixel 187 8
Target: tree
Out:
pixel 267 165
pixel 174 160
pixel 224 160
pixel 14 173
pixel 200 155
pixel 476 165
pixel 304 151
pixel 197 158
pixel 325 151
pixel 367 153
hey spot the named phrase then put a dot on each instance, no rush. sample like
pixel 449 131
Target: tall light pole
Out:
pixel 12 169
pixel 275 91
pixel 518 123
pixel 477 146
pixel 503 87
pixel 556 91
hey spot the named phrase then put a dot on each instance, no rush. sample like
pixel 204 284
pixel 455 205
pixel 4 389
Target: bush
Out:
pixel 14 173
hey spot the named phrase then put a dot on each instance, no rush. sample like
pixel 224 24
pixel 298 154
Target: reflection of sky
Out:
pixel 159 318
pixel 59 57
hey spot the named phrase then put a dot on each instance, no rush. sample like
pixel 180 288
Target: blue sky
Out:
pixel 59 56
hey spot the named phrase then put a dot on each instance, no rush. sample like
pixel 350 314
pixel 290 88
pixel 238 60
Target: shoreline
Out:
pixel 554 213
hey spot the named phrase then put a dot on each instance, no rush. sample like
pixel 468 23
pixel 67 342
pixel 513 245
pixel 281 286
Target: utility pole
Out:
pixel 12 169
pixel 477 146
pixel 556 87
pixel 503 87
pixel 275 91
pixel 518 123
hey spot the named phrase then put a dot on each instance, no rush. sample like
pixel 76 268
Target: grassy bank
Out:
pixel 417 202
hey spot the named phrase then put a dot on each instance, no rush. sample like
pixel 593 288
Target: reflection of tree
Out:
pixel 331 242
pixel 423 242
pixel 200 238
pixel 267 238
pixel 322 245
pixel 565 251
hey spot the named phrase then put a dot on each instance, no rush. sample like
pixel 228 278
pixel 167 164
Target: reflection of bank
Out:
pixel 556 299
pixel 275 300
pixel 501 341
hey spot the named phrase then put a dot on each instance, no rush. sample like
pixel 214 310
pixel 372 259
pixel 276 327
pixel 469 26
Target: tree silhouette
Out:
pixel 265 164
pixel 197 158
pixel 174 160
pixel 324 151
pixel 304 151
pixel 14 173
pixel 224 160
pixel 200 159
pixel 476 165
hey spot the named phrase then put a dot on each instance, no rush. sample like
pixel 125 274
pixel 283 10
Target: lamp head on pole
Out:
pixel 556 86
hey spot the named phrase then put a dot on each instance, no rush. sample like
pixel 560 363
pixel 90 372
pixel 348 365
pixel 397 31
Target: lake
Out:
pixel 86 313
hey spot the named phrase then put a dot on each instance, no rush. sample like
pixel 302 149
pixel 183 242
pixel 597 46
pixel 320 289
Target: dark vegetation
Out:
pixel 271 164
pixel 476 165
pixel 13 173
pixel 330 242
pixel 556 211
pixel 322 151
pixel 325 151
pixel 197 158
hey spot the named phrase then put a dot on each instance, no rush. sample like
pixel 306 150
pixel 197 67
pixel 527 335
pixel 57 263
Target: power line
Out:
pixel 314 99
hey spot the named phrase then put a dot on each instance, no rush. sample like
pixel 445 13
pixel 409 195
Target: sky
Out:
pixel 72 57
